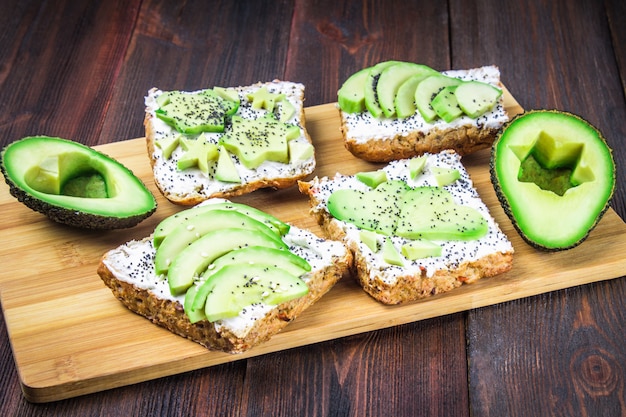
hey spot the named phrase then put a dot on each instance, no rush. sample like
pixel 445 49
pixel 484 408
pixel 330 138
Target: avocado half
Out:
pixel 74 184
pixel 554 175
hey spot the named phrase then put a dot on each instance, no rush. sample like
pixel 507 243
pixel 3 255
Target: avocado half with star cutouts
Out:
pixel 74 184
pixel 554 175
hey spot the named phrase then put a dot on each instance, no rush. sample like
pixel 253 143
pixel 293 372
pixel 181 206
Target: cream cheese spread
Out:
pixel 192 181
pixel 363 127
pixel 454 253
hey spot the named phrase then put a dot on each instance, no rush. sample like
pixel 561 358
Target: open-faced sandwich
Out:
pixel 224 274
pixel 416 227
pixel 223 142
pixel 398 110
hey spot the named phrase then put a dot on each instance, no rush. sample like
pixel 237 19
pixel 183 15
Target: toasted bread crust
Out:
pixel 234 189
pixel 408 287
pixel 170 314
pixel 464 140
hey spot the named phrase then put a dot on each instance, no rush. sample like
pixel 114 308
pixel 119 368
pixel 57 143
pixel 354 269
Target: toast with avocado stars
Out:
pixel 224 142
pixel 223 274
pixel 416 227
pixel 397 110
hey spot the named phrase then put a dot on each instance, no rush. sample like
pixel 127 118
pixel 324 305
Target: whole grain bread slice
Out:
pixel 381 139
pixel 422 278
pixel 191 186
pixel 128 271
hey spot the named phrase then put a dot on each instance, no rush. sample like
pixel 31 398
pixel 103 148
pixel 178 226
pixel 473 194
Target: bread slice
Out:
pixel 128 271
pixel 192 186
pixel 461 262
pixel 385 139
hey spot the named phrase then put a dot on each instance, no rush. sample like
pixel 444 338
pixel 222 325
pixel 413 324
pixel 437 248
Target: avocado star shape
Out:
pixel 393 208
pixel 193 113
pixel 263 99
pixel 255 141
pixel 167 144
pixel 198 153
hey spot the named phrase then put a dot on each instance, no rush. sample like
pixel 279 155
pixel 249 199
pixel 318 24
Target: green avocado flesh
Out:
pixel 259 140
pixel 74 184
pixel 395 209
pixel 207 252
pixel 196 112
pixel 396 89
pixel 554 176
pixel 209 131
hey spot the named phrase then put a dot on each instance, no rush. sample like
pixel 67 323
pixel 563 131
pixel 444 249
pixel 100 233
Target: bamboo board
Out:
pixel 70 336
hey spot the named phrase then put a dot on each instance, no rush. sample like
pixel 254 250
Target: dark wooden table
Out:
pixel 80 70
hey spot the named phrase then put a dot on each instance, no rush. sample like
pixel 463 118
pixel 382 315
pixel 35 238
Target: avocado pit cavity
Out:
pixel 551 164
pixel 70 174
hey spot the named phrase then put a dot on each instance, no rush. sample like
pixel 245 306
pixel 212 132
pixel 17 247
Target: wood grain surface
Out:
pixel 92 343
pixel 80 70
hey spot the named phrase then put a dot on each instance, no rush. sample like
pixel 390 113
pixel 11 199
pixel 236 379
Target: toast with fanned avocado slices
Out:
pixel 225 275
pixel 397 110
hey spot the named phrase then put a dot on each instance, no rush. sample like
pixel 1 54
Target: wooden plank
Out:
pixel 93 343
pixel 58 74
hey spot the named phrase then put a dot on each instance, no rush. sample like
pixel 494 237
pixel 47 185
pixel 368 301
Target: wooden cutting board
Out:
pixel 71 337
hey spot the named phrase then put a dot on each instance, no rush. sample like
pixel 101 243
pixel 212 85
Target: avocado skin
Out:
pixel 504 202
pixel 75 218
pixel 72 217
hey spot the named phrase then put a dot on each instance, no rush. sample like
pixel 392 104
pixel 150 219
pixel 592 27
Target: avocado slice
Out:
pixel 371 82
pixel 210 110
pixel 169 224
pixel 445 176
pixel 376 210
pixel 372 178
pixel 475 97
pixel 431 213
pixel 351 95
pixel 195 258
pixel 421 248
pixel 252 257
pixel 554 175
pixel 390 253
pixel 392 77
pixel 235 287
pixel 446 105
pixel 192 229
pixel 226 169
pixel 74 184
pixel 279 258
pixel 416 166
pixel 427 90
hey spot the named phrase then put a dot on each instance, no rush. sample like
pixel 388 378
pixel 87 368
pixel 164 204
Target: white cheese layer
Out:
pixel 363 127
pixel 133 262
pixel 454 253
pixel 192 181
